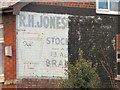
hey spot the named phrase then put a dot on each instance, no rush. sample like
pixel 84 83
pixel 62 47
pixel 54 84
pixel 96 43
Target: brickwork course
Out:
pixel 70 4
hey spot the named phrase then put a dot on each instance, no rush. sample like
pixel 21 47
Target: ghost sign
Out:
pixel 42 45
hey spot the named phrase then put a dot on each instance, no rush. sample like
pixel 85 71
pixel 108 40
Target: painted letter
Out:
pixel 48 63
pixel 30 20
pixel 22 20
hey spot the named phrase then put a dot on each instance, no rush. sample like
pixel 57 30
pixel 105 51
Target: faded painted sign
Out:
pixel 42 44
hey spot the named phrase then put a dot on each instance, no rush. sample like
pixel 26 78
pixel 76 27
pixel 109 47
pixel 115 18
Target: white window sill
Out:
pixel 1 25
pixel 118 77
pixel 118 60
pixel 1 77
pixel 108 12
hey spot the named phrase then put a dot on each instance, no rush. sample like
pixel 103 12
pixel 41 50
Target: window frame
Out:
pixel 117 56
pixel 2 42
pixel 118 77
pixel 118 73
pixel 105 11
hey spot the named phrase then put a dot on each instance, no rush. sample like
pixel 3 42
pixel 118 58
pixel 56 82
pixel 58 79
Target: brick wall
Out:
pixel 38 83
pixel 10 39
pixel 70 4
pixel 118 42
pixel 10 62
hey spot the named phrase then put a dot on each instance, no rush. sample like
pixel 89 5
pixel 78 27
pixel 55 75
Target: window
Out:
pixel 108 6
pixel 118 56
pixel 103 4
pixel 1 55
pixel 1 50
pixel 118 66
pixel 114 5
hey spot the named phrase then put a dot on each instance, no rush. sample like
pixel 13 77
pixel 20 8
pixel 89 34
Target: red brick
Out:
pixel 81 4
pixel 10 39
pixel 9 35
pixel 118 42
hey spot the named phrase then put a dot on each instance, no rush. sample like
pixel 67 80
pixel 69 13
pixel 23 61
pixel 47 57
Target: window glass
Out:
pixel 114 5
pixel 1 33
pixel 103 4
pixel 1 58
pixel 118 68
pixel 118 56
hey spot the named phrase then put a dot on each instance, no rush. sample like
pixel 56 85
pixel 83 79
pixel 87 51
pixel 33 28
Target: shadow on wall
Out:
pixel 96 36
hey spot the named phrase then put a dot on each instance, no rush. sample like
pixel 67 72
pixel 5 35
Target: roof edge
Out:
pixel 15 9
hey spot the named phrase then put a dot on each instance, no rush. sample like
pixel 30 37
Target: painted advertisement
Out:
pixel 42 45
